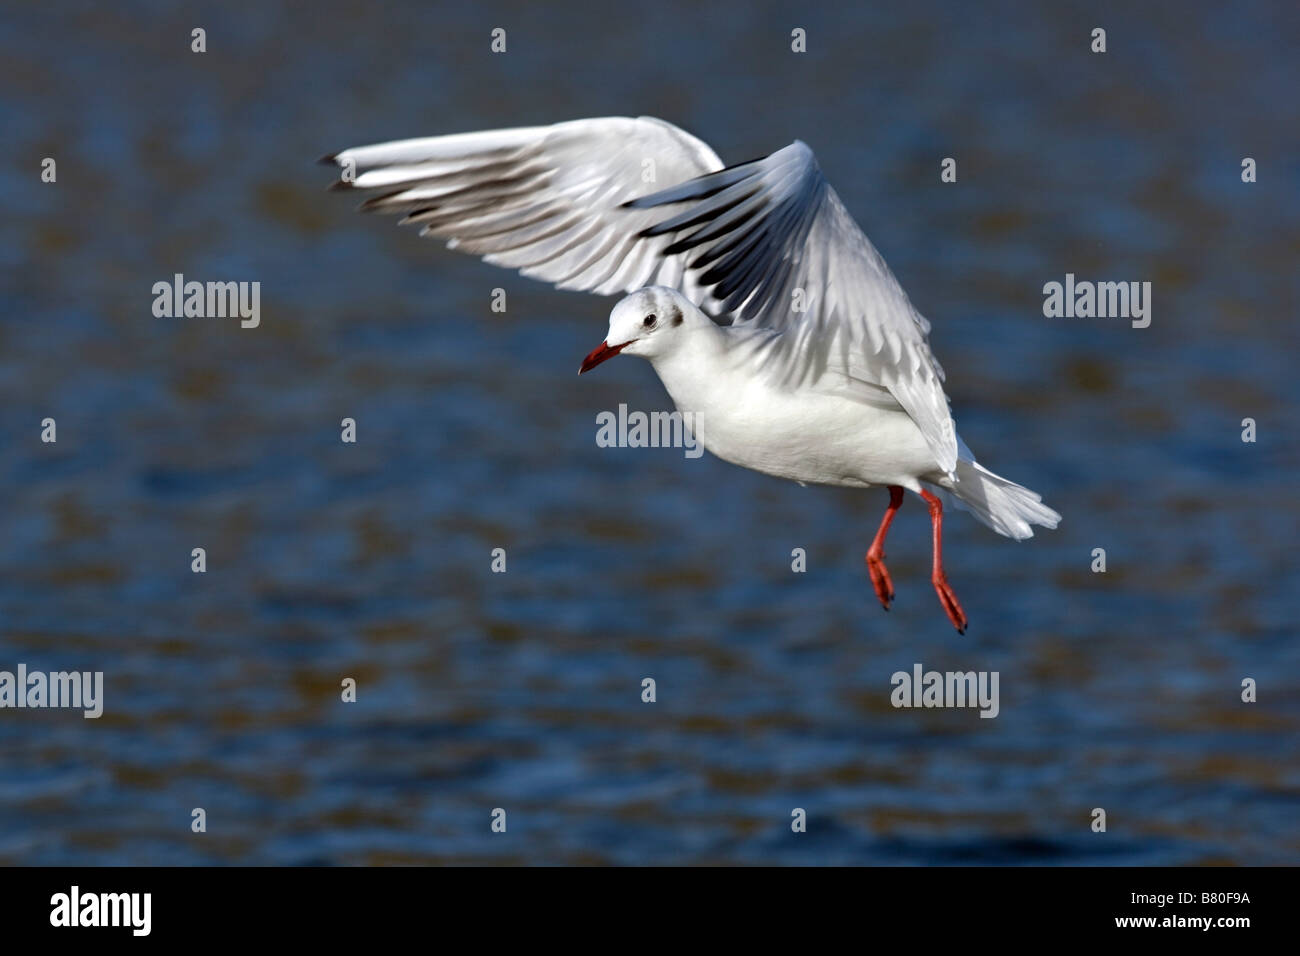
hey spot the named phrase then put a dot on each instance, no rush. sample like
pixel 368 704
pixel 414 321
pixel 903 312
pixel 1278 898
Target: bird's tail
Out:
pixel 1006 507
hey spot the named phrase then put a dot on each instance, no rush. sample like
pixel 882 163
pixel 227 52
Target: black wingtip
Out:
pixel 339 186
pixel 329 159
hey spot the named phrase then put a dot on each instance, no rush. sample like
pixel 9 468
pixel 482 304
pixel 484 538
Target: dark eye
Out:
pixel 649 320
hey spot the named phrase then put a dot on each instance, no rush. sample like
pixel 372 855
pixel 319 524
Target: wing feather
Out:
pixel 546 200
pixel 615 204
pixel 768 229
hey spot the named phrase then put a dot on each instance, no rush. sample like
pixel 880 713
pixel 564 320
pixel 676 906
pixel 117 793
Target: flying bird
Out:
pixel 764 309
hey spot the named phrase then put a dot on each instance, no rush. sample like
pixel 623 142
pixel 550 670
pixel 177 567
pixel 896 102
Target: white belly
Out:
pixel 806 436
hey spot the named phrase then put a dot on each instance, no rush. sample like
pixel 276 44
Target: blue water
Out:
pixel 522 690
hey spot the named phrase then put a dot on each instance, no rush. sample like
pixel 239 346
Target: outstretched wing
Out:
pixel 766 244
pixel 771 243
pixel 546 200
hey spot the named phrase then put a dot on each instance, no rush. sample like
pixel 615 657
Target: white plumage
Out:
pixel 797 350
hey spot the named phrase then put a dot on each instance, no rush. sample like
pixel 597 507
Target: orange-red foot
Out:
pixel 950 603
pixel 940 580
pixel 880 577
pixel 876 553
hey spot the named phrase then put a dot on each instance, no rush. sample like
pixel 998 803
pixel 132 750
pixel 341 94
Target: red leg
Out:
pixel 937 577
pixel 876 553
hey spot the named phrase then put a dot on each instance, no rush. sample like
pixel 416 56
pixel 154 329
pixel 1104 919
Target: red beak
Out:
pixel 599 354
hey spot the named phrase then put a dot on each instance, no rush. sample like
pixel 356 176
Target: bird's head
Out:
pixel 649 323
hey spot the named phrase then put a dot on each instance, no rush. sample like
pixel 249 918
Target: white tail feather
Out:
pixel 1006 507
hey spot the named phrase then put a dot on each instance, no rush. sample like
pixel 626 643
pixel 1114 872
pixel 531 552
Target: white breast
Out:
pixel 803 434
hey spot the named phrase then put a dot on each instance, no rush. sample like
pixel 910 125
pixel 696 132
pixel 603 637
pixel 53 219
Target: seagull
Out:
pixel 766 312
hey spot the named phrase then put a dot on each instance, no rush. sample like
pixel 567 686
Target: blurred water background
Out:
pixel 522 690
